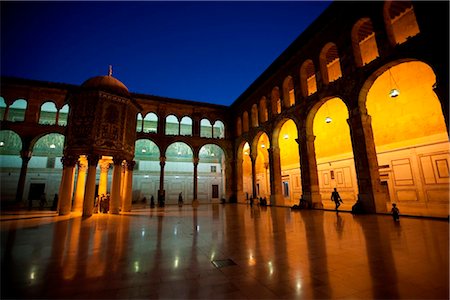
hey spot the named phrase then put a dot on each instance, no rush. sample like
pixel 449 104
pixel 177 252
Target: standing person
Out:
pixel 152 202
pixel 336 198
pixel 180 200
pixel 395 212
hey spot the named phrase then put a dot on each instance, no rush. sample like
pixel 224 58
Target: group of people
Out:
pixel 101 204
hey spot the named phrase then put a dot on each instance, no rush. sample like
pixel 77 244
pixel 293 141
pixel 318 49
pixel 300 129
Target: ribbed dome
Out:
pixel 107 84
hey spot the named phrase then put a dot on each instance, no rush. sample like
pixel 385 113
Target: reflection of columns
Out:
pixel 26 156
pixel 161 192
pixel 366 164
pixel 276 194
pixel 66 187
pixel 195 161
pixel 89 193
pixel 128 186
pixel 115 186
pixel 308 168
pixel 253 159
pixel 103 183
pixel 228 174
pixel 81 181
pixel 239 177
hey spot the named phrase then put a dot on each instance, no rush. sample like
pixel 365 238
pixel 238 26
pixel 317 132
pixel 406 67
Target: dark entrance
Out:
pixel 36 190
pixel 215 191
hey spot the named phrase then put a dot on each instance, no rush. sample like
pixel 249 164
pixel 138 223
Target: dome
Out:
pixel 107 84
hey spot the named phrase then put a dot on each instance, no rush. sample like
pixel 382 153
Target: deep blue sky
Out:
pixel 202 51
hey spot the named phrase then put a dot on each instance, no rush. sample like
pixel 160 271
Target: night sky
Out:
pixel 201 51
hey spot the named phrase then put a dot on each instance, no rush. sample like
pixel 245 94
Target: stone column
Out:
pixel 371 194
pixel 253 159
pixel 66 186
pixel 25 156
pixel 195 161
pixel 239 180
pixel 308 169
pixel 128 186
pixel 276 193
pixel 81 185
pixel 89 193
pixel 161 191
pixel 115 186
pixel 103 183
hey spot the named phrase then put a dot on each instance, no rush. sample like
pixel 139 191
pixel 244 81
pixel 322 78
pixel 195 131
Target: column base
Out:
pixel 195 203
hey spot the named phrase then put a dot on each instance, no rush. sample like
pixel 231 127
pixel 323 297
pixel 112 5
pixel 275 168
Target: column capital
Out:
pixel 195 160
pixel 82 166
pixel 130 165
pixel 104 166
pixel 162 161
pixel 93 159
pixel 25 155
pixel 118 160
pixel 69 161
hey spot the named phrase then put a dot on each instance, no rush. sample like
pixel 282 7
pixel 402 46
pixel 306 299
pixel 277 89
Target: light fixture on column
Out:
pixel 394 91
pixel 2 144
pixel 263 146
pixel 52 146
pixel 143 150
pixel 286 136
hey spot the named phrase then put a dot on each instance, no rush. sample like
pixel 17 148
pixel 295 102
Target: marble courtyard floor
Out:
pixel 230 251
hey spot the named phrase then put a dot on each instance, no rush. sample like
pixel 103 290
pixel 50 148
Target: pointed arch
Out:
pixel 364 43
pixel 205 128
pixel 330 64
pixel 308 81
pixel 172 125
pixel 17 110
pixel 288 92
pixel 400 21
pixel 186 126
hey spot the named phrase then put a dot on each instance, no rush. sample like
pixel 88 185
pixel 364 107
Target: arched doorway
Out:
pixel 334 154
pixel 411 138
pixel 247 189
pixel 10 161
pixel 262 170
pixel 146 171
pixel 210 174
pixel 179 173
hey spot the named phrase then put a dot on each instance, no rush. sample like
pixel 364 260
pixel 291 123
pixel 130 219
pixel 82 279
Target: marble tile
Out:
pixel 166 253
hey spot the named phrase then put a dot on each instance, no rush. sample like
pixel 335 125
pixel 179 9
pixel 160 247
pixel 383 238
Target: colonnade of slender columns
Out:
pixel 128 186
pixel 89 194
pixel 81 181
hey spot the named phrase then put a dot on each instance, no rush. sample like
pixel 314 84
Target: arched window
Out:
pixel 255 122
pixel 245 124
pixel 400 21
pixel 2 108
pixel 186 126
pixel 330 63
pixel 364 43
pixel 218 130
pixel 17 111
pixel 151 123
pixel 276 101
pixel 139 123
pixel 172 125
pixel 288 92
pixel 63 114
pixel 263 114
pixel 205 128
pixel 47 115
pixel 238 126
pixel 308 78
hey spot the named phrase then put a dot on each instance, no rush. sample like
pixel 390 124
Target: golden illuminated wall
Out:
pixel 289 154
pixel 333 138
pixel 415 116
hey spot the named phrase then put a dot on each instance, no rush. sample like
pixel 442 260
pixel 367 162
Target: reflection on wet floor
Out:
pixel 229 251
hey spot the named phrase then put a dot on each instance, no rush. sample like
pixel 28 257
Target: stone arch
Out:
pixel 255 122
pixel 63 114
pixel 400 21
pixel 275 100
pixel 288 92
pixel 330 65
pixel 218 130
pixel 238 126
pixel 260 152
pixel 365 48
pixel 419 126
pixel 139 123
pixel 206 128
pixel 10 144
pixel 245 125
pixel 47 113
pixel 172 125
pixel 146 173
pixel 186 126
pixel 308 82
pixel 179 171
pixel 150 123
pixel 263 114
pixel 17 110
pixel 212 167
pixel 244 168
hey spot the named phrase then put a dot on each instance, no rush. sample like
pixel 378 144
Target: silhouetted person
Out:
pixel 395 212
pixel 336 198
pixel 55 202
pixel 180 200
pixel 152 202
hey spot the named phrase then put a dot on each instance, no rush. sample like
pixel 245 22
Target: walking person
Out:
pixel 336 198
pixel 395 212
